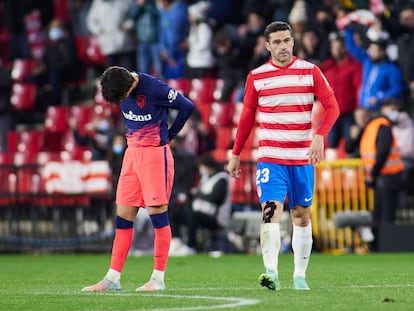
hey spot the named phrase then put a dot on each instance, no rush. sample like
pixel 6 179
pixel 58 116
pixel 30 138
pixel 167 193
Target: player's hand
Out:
pixel 316 150
pixel 233 167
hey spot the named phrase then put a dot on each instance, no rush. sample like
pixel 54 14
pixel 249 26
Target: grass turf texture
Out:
pixel 344 282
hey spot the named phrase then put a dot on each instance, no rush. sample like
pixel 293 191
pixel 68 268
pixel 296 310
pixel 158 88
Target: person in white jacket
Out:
pixel 200 59
pixel 107 20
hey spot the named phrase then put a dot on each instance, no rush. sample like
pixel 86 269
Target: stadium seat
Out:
pixel 23 96
pixel 30 141
pixel 12 141
pixel 61 9
pixel 21 69
pixel 82 115
pixel 224 138
pixel 205 111
pixel 221 114
pixel 202 90
pixel 182 85
pixel 57 118
pixel 8 180
pixel 238 107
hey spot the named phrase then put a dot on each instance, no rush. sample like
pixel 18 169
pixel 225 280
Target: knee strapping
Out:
pixel 268 211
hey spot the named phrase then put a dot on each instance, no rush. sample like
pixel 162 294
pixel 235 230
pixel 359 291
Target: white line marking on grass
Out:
pixel 231 302
pixel 234 302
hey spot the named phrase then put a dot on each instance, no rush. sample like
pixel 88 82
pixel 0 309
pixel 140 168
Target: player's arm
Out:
pixel 246 123
pixel 325 95
pixel 185 108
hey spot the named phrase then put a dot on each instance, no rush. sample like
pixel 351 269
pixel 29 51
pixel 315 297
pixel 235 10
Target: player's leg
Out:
pixel 128 196
pixel 271 188
pixel 302 180
pixel 124 232
pixel 301 244
pixel 162 241
pixel 158 175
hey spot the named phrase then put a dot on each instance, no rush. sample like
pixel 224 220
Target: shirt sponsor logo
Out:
pixel 137 117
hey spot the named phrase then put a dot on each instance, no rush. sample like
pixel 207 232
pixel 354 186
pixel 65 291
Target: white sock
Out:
pixel 270 244
pixel 302 247
pixel 113 275
pixel 158 275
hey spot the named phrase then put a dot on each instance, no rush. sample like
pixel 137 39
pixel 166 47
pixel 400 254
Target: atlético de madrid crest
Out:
pixel 141 101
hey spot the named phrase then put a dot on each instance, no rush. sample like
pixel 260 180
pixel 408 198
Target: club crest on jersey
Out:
pixel 141 101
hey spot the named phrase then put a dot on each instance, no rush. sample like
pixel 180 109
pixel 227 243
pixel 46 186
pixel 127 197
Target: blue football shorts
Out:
pixel 275 181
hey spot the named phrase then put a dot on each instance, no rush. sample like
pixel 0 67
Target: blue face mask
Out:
pixel 117 149
pixel 393 115
pixel 55 34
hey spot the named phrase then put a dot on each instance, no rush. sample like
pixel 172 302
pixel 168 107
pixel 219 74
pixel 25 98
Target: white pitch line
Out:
pixel 235 302
pixel 231 302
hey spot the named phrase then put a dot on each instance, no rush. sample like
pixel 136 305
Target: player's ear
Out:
pixel 267 45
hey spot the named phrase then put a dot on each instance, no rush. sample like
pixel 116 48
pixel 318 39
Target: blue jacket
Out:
pixel 381 80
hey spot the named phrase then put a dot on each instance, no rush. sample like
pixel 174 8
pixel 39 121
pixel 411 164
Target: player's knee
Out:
pixel 268 211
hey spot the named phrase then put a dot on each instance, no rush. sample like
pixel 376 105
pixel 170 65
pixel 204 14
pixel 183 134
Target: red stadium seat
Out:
pixel 21 69
pixel 221 114
pixel 30 141
pixel 82 115
pixel 57 118
pixel 23 96
pixel 224 138
pixel 182 85
pixel 202 90
pixel 12 141
pixel 205 111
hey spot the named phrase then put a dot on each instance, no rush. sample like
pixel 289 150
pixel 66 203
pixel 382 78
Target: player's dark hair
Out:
pixel 115 83
pixel 275 27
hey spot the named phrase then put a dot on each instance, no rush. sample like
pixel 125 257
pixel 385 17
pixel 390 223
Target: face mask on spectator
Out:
pixel 103 125
pixel 55 34
pixel 117 149
pixel 393 115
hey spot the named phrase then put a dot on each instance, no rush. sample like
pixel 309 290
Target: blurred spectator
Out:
pixel 299 18
pixel 381 78
pixel 180 202
pixel 59 62
pixel 6 115
pixel 116 156
pixel 145 16
pixel 174 26
pixel 279 9
pixel 200 58
pixel 311 48
pixel 361 119
pixel 403 130
pixel 344 75
pixel 248 32
pixel 98 137
pixel 230 63
pixel 78 12
pixel 15 13
pixel 383 170
pixel 406 49
pixel 211 204
pixel 108 20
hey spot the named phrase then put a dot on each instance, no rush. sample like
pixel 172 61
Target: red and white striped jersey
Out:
pixel 282 98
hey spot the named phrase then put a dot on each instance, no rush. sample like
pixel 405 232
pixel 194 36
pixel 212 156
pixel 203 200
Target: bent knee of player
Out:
pixel 301 215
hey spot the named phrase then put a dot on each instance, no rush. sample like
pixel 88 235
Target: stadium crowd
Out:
pixel 365 49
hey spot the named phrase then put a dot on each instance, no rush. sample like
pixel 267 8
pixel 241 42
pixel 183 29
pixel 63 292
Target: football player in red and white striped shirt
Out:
pixel 279 95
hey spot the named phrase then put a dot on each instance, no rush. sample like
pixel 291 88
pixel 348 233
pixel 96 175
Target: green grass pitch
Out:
pixel 343 282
